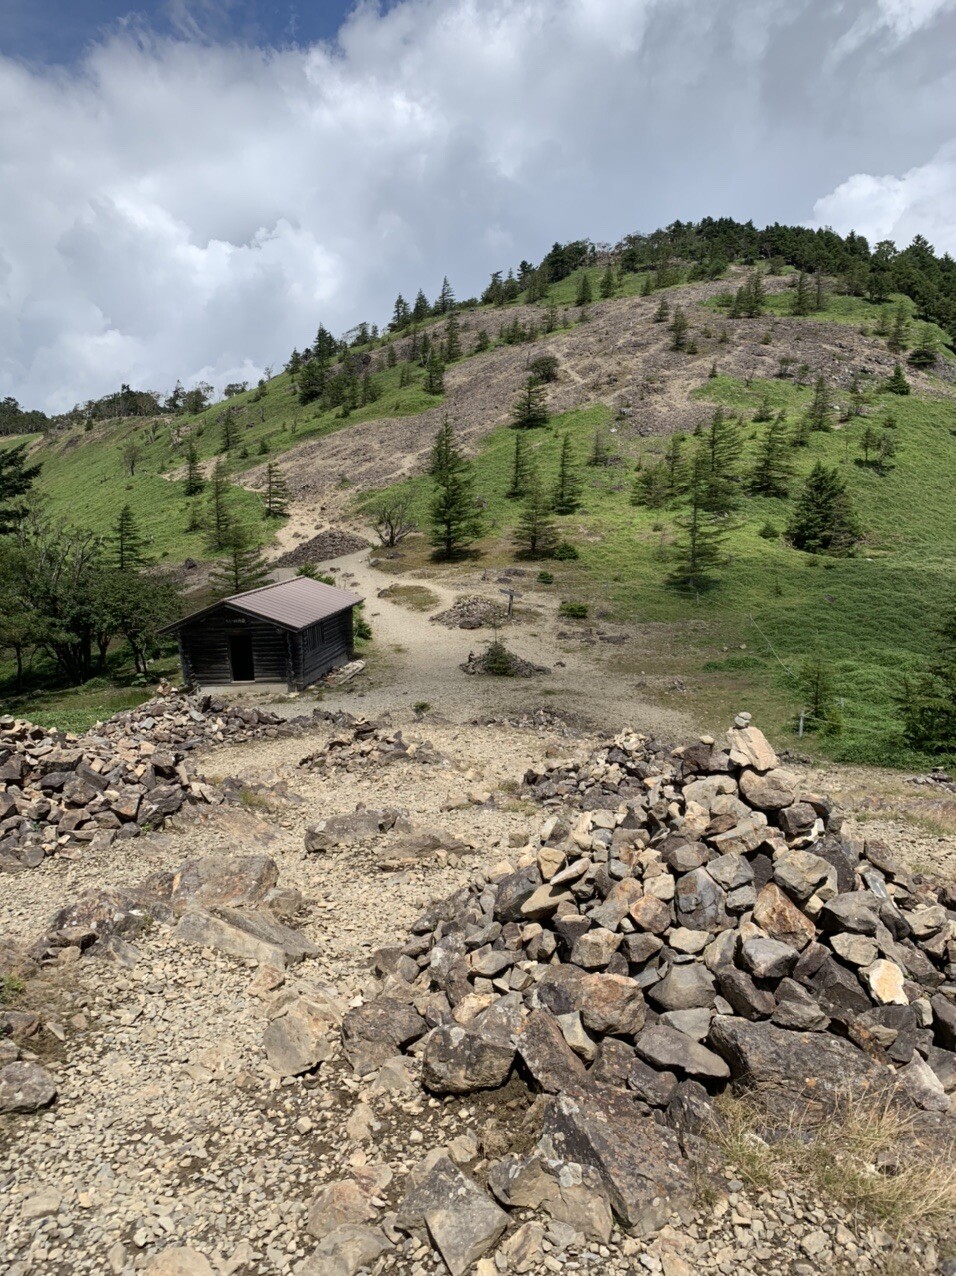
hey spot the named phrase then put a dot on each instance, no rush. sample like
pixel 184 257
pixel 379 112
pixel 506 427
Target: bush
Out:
pixel 565 551
pixel 573 611
pixel 545 578
pixel 499 660
pixel 544 368
pixel 768 532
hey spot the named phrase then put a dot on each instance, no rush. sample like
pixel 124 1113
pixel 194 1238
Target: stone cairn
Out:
pixel 60 792
pixel 686 920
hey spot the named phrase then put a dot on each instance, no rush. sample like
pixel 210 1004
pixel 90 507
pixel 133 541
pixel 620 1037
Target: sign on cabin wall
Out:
pixel 236 620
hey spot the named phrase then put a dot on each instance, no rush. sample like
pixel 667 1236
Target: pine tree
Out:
pixel 896 341
pixel 455 514
pixel 401 315
pixel 801 303
pixel 421 308
pixel 531 408
pixel 452 346
pixel 663 310
pixel 647 285
pixel 534 534
pixel 772 471
pixel 651 486
pixel 599 450
pixel 584 296
pixel 675 466
pixel 869 442
pixel 194 479
pixel 927 700
pixel 885 451
pixel 127 542
pixel 607 282
pixel 434 375
pixel 898 384
pixel 520 467
pixel 821 710
pixel 678 329
pixel 699 547
pixel 446 298
pixel 925 353
pixel 567 487
pixel 312 380
pixel 219 519
pixel 756 297
pixel 227 437
pixel 243 566
pixel 391 358
pixel 819 293
pixel 277 492
pixel 823 520
pixel 819 414
pixel 716 468
pixel 764 411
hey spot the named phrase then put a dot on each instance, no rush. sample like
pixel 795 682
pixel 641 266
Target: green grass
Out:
pixel 50 704
pixel 870 615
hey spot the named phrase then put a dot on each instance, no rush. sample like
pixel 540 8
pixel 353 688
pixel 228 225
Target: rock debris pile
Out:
pixel 334 542
pixel 362 743
pixel 699 920
pixel 60 792
pixel 472 612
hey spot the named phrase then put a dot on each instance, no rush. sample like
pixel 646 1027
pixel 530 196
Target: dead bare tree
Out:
pixel 392 523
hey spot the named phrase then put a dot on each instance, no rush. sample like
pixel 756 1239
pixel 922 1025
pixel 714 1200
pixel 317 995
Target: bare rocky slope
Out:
pixel 404 997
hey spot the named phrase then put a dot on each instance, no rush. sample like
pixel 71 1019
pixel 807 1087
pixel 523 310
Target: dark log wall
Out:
pixel 205 648
pixel 324 646
pixel 296 659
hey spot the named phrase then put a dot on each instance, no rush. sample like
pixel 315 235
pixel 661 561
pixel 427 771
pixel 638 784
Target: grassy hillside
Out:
pixel 870 616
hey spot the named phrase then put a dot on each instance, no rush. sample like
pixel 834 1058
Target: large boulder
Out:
pixel 25 1087
pixel 462 1221
pixel 459 1061
pixel 377 1031
pixel 252 934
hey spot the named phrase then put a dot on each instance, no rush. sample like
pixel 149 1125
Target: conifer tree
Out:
pixel 823 520
pixel 699 547
pixel 452 346
pixel 898 384
pixel 401 314
pixel 219 520
pixel 927 700
pixel 421 308
pixel 482 341
pixel 584 296
pixel 651 486
pixel 243 566
pixel 599 450
pixel 647 286
pixel 127 542
pixel 391 358
pixel 520 467
pixel 662 311
pixel 801 303
pixel 764 411
pixel 772 471
pixel 534 534
pixel 434 375
pixel 312 378
pixel 607 282
pixel 675 466
pixel 194 479
pixel 819 293
pixel 455 514
pixel 530 409
pixel 896 341
pixel 925 353
pixel 567 487
pixel 227 437
pixel 819 414
pixel 821 710
pixel 678 329
pixel 716 470
pixel 756 297
pixel 869 442
pixel 446 298
pixel 277 492
pixel 885 451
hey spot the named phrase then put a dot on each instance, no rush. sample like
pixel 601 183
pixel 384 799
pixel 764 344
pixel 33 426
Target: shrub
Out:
pixel 768 532
pixel 565 551
pixel 573 611
pixel 544 368
pixel 545 578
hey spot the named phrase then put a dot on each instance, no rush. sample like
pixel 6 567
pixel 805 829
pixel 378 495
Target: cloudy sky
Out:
pixel 189 188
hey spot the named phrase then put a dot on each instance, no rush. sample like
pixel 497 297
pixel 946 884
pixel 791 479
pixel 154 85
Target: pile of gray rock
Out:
pixel 60 792
pixel 362 743
pixel 471 611
pixel 334 542
pixel 688 919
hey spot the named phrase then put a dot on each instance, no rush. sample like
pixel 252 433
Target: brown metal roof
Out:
pixel 292 604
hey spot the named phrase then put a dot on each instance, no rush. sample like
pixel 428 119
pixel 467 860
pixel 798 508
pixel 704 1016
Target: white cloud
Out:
pixel 922 201
pixel 185 209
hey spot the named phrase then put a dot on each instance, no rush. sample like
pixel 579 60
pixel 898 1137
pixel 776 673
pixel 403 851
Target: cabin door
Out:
pixel 240 658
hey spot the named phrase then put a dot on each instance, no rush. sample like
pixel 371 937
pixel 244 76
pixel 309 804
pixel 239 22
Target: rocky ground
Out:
pixel 207 1116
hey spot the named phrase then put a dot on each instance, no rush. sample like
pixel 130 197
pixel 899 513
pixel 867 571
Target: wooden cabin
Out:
pixel 292 632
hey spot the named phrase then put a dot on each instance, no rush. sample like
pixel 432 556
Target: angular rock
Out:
pixel 565 1190
pixel 595 948
pixel 547 1056
pixel 749 747
pixel 856 911
pixel 456 1061
pixel 376 1031
pixel 802 874
pixel 640 1163
pixel 730 871
pixel 858 950
pixel 347 1250
pixel 178 1260
pixel 768 958
pixel 923 1085
pixel 781 919
pixel 25 1087
pixel 807 1065
pixel 771 791
pixel 341 1201
pixel 253 935
pixel 885 982
pixel 684 987
pixel 462 1221
pixel 652 1086
pixel 668 1049
pixel 701 902
pixel 297 1040
pixel 651 914
pixel 612 1004
pixel 743 994
pixel 797 1009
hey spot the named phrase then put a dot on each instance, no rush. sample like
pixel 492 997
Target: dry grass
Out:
pixel 868 1158
pixel 415 597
